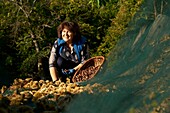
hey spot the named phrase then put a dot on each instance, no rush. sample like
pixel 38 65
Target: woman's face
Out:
pixel 67 35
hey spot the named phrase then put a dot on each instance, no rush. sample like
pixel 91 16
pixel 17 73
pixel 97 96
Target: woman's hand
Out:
pixel 68 72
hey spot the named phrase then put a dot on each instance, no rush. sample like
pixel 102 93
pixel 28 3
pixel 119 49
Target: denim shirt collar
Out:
pixel 60 41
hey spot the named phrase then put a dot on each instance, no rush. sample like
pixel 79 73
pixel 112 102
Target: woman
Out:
pixel 69 51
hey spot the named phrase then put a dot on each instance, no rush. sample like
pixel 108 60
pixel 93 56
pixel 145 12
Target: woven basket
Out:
pixel 89 69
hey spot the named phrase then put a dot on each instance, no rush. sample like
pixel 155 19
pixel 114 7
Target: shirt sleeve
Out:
pixel 53 55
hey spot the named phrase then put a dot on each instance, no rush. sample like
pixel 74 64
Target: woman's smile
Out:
pixel 67 35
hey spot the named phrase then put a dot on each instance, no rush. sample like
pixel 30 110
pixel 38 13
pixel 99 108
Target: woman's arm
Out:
pixel 78 66
pixel 84 56
pixel 54 73
pixel 52 63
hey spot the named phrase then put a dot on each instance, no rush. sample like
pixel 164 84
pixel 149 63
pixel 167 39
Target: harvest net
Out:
pixel 136 74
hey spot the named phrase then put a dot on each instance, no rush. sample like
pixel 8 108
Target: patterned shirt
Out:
pixel 79 53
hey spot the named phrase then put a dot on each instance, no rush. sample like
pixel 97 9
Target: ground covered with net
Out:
pixel 135 78
pixel 137 71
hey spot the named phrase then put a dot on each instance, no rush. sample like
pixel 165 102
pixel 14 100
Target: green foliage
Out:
pixel 127 9
pixel 28 27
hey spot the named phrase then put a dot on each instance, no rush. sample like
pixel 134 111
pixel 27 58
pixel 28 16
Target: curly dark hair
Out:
pixel 71 26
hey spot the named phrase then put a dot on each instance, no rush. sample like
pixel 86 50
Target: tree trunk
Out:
pixel 37 50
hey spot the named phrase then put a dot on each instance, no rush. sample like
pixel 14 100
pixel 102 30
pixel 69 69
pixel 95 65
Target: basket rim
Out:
pixel 95 57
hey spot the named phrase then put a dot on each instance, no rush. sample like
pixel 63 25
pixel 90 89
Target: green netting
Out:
pixel 137 72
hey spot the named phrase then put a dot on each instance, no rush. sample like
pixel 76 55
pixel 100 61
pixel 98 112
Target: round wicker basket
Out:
pixel 89 69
